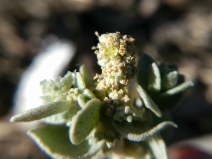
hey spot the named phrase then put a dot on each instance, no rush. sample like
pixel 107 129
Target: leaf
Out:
pixel 81 100
pixel 178 89
pixel 95 146
pixel 67 80
pixel 80 82
pixel 87 76
pixel 42 111
pixel 84 122
pixel 148 102
pixel 151 132
pixel 158 147
pixel 154 79
pixel 55 142
pixel 56 119
pixel 143 65
pixel 165 69
pixel 137 150
pixel 46 98
pixel 138 134
pixel 169 80
pixel 62 118
pixel 88 94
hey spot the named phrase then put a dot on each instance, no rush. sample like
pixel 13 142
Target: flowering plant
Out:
pixel 85 115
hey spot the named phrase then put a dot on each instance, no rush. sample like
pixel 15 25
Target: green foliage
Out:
pixel 55 141
pixel 88 113
pixel 148 102
pixel 42 111
pixel 162 83
pixel 85 121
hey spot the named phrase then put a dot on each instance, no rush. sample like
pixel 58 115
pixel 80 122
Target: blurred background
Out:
pixel 45 38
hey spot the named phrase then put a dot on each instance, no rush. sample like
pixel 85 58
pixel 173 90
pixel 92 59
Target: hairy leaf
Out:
pixel 87 76
pixel 62 118
pixel 85 120
pixel 80 82
pixel 158 147
pixel 154 79
pixel 81 100
pixel 148 102
pixel 178 89
pixel 55 142
pixel 170 80
pixel 42 111
pixel 56 119
pixel 143 65
pixel 132 133
pixel 88 94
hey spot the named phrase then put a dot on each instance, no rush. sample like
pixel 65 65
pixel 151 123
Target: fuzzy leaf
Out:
pixel 138 150
pixel 154 79
pixel 158 147
pixel 143 65
pixel 80 82
pixel 46 98
pixel 84 122
pixel 87 76
pixel 148 102
pixel 95 146
pixel 178 89
pixel 81 100
pixel 42 111
pixel 62 118
pixel 170 80
pixel 138 134
pixel 56 119
pixel 67 80
pixel 55 142
pixel 88 94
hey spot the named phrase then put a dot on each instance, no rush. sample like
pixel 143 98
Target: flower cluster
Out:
pixel 116 56
pixel 84 113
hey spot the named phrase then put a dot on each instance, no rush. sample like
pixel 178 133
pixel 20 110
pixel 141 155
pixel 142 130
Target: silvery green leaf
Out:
pixel 143 65
pixel 81 100
pixel 87 76
pixel 88 94
pixel 151 132
pixel 136 150
pixel 95 146
pixel 67 80
pixel 59 97
pixel 148 102
pixel 56 119
pixel 55 142
pixel 46 98
pixel 165 69
pixel 158 147
pixel 180 88
pixel 84 122
pixel 170 80
pixel 154 79
pixel 80 82
pixel 135 133
pixel 42 111
pixel 62 118
pixel 74 108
